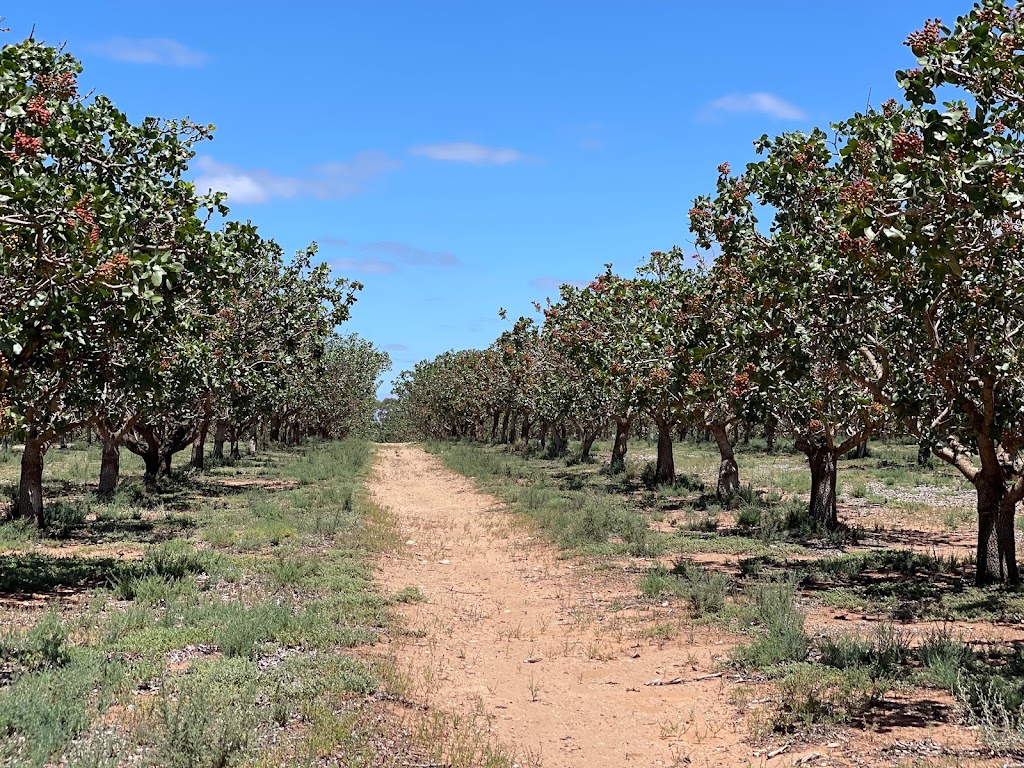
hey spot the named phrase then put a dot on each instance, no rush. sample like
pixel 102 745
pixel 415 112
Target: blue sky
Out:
pixel 458 157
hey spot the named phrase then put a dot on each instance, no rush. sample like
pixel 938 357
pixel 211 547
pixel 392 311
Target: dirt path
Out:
pixel 550 657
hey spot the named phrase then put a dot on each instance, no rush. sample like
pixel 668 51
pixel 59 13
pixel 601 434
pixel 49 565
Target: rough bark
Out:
pixel 997 546
pixel 728 470
pixel 621 444
pixel 822 462
pixel 110 465
pixel 665 469
pixel 30 488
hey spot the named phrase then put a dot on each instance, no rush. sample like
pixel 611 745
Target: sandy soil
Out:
pixel 555 656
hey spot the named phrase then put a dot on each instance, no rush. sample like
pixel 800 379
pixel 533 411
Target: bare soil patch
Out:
pixel 554 655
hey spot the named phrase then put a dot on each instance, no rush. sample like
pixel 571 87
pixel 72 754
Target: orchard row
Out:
pixel 863 279
pixel 130 305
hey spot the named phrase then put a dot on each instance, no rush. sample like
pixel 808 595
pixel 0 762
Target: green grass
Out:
pixel 248 573
pixel 587 510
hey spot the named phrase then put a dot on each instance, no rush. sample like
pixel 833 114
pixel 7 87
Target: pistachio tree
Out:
pixel 934 205
pixel 97 228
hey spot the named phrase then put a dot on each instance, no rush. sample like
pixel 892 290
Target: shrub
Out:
pixel 784 640
pixel 944 658
pixel 178 559
pixel 706 591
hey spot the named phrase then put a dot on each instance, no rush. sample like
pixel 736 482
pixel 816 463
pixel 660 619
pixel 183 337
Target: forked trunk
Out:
pixel 997 546
pixel 728 470
pixel 110 466
pixel 621 444
pixel 665 470
pixel 30 488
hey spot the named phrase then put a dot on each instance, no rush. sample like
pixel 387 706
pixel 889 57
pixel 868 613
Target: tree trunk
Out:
pixel 220 434
pixel 235 453
pixel 559 439
pixel 504 426
pixel 30 489
pixel 728 470
pixel 494 426
pixel 275 428
pixel 165 463
pixel 621 444
pixel 526 430
pixel 771 434
pixel 544 426
pixel 199 446
pixel 588 443
pixel 823 483
pixel 924 453
pixel 665 470
pixel 997 546
pixel 110 466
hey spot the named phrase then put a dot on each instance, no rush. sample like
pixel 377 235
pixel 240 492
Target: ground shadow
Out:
pixel 31 573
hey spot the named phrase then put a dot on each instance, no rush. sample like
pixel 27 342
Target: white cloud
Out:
pixel 328 181
pixel 466 152
pixel 760 103
pixel 396 348
pixel 410 254
pixel 153 50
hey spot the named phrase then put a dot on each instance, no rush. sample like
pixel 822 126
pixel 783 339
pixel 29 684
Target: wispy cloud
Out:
pixel 150 50
pixel 327 181
pixel 753 103
pixel 388 256
pixel 466 152
pixel 396 347
pixel 409 254
pixel 371 265
pixel 549 283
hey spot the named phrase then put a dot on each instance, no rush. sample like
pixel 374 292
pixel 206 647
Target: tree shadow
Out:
pixel 30 573
pixel 887 716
